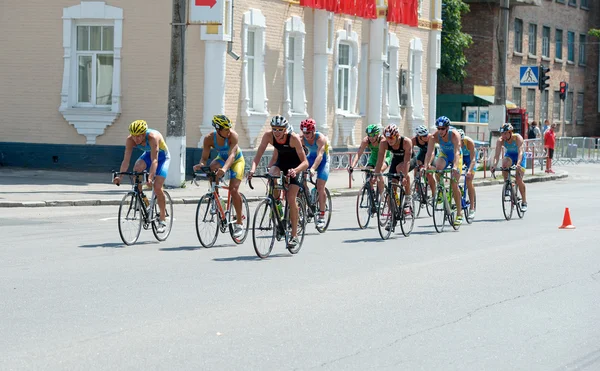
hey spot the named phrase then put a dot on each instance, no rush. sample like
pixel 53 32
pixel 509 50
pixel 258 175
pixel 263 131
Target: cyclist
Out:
pixel 229 158
pixel 155 159
pixel 401 149
pixel 421 140
pixel 449 156
pixel 289 158
pixel 469 161
pixel 372 140
pixel 513 144
pixel 318 161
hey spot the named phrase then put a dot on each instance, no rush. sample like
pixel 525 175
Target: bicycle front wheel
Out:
pixel 163 235
pixel 364 207
pixel 386 218
pixel 207 220
pixel 245 221
pixel 439 211
pixel 407 221
pixel 517 202
pixel 507 201
pixel 301 227
pixel 263 229
pixel 130 218
pixel 328 208
pixel 467 203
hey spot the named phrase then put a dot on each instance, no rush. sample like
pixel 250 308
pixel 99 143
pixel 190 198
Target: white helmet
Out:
pixel 422 131
pixel 462 133
pixel 280 121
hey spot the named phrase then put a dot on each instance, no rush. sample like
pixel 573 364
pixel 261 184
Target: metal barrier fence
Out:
pixel 574 150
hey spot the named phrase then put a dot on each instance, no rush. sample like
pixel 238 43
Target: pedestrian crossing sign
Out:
pixel 529 75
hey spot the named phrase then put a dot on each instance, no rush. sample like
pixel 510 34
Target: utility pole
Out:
pixel 500 96
pixel 176 105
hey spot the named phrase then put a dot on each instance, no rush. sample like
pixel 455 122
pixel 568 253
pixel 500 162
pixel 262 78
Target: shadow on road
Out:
pixel 344 229
pixel 489 220
pixel 374 239
pixel 249 258
pixel 190 248
pixel 115 244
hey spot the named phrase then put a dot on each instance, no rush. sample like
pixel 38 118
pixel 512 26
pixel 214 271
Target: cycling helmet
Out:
pixel 138 127
pixel 373 130
pixel 442 121
pixel 308 126
pixel 221 122
pixel 281 122
pixel 506 127
pixel 422 131
pixel 462 133
pixel 391 131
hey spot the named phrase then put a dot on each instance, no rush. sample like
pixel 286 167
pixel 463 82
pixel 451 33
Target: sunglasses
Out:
pixel 305 131
pixel 373 135
pixel 443 128
pixel 279 129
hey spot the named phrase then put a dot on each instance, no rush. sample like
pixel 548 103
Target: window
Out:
pixel 579 109
pixel 92 40
pixel 582 44
pixel 573 2
pixel 544 110
pixel 546 42
pixel 403 82
pixel 569 107
pixel 584 4
pixel 571 46
pixel 531 104
pixel 532 39
pixel 343 77
pixel 518 35
pixel 415 75
pixel 254 102
pixel 516 96
pixel 391 91
pixel 295 103
pixel 559 43
pixel 556 106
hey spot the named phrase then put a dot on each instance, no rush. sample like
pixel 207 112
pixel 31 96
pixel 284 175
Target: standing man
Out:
pixel 549 142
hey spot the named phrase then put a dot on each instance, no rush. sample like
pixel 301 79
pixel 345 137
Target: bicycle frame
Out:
pixel 148 216
pixel 213 189
pixel 280 219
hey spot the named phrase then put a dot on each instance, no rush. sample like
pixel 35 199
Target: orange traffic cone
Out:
pixel 567 221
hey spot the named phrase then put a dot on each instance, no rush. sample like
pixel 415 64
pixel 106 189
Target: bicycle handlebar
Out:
pixel 116 174
pixel 266 176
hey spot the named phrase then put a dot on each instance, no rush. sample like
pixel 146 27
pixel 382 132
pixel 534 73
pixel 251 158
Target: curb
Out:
pixel 343 192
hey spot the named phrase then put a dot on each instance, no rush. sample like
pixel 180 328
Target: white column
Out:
pixel 376 55
pixel 215 52
pixel 320 78
pixel 434 64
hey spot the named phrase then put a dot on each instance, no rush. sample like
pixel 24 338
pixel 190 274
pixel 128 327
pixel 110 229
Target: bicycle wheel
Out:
pixel 207 220
pixel 439 210
pixel 245 221
pixel 425 196
pixel 467 206
pixel 507 201
pixel 301 227
pixel 407 221
pixel 386 220
pixel 162 236
pixel 517 202
pixel 417 196
pixel 328 208
pixel 130 218
pixel 364 207
pixel 452 210
pixel 263 229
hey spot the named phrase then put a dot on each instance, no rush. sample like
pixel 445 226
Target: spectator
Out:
pixel 534 131
pixel 546 126
pixel 549 141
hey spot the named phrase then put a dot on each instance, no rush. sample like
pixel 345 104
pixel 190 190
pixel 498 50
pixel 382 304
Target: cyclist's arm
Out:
pixel 520 145
pixel 383 146
pixel 408 147
pixel 430 149
pixel 129 144
pixel 206 147
pixel 273 158
pixel 361 149
pixel 264 142
pixel 457 148
pixel 497 152
pixel 297 144
pixel 321 144
pixel 153 138
pixel 471 148
pixel 233 149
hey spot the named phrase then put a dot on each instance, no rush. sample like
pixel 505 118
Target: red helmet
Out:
pixel 308 126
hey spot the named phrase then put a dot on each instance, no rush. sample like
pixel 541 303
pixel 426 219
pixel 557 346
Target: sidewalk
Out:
pixel 39 188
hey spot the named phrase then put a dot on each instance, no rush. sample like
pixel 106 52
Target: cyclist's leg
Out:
pixel 520 183
pixel 470 186
pixel 322 177
pixel 292 193
pixel 236 174
pixel 507 161
pixel 141 164
pixel 455 189
pixel 161 175
pixel 275 171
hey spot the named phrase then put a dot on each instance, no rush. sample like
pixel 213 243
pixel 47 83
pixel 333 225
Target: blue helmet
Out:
pixel 442 121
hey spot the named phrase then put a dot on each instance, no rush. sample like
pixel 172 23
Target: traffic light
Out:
pixel 563 90
pixel 542 84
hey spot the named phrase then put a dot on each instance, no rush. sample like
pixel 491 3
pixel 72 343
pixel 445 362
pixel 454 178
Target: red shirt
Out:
pixel 549 138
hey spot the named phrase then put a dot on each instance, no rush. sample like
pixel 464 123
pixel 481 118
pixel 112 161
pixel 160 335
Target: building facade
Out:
pixel 76 73
pixel 552 33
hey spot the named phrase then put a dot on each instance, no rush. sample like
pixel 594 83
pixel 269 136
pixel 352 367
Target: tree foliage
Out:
pixel 594 32
pixel 454 41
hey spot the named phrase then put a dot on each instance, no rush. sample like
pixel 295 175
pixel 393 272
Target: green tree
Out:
pixel 454 41
pixel 594 32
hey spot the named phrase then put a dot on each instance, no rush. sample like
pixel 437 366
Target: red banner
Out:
pixel 358 8
pixel 404 12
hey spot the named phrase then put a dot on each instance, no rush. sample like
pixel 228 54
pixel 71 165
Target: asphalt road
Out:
pixel 496 295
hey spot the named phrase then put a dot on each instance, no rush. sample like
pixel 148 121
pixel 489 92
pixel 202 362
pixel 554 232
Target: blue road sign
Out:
pixel 529 75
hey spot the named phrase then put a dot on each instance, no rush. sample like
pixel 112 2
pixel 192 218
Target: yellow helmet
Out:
pixel 221 122
pixel 138 127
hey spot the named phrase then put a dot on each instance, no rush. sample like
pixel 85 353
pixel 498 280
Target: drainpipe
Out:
pixel 230 43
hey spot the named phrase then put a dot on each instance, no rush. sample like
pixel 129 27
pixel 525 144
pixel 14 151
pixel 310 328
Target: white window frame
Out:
pixel 90 120
pixel 295 90
pixel 254 103
pixel 391 90
pixel 530 103
pixel 351 39
pixel 415 82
